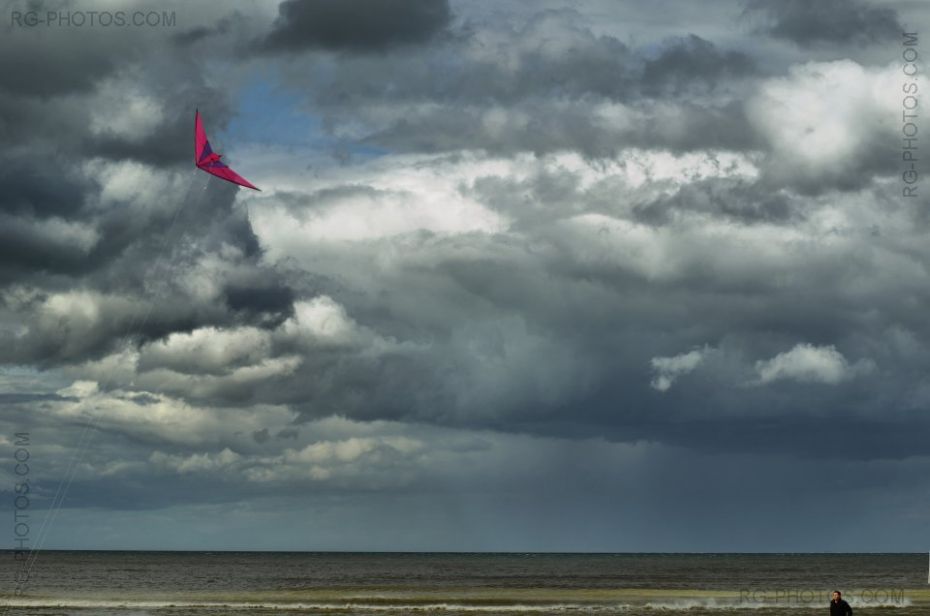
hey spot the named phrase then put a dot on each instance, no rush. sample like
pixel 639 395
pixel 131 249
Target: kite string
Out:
pixel 84 441
pixel 86 435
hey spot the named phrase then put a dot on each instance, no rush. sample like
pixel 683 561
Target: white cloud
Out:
pixel 807 363
pixel 75 318
pixel 132 184
pixel 668 369
pixel 210 361
pixel 824 117
pixel 54 231
pixel 196 463
pixel 208 349
pixel 132 114
pixel 392 457
pixel 145 415
pixel 79 389
pixel 377 200
pixel 321 320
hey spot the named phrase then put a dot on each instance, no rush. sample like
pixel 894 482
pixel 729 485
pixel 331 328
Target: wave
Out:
pixel 716 604
pixel 425 607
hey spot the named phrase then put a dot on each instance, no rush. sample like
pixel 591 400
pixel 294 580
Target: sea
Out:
pixel 264 583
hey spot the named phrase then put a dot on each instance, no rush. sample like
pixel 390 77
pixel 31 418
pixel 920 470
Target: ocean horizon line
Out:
pixel 466 552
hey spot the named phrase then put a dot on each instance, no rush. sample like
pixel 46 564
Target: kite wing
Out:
pixel 222 171
pixel 201 145
pixel 207 161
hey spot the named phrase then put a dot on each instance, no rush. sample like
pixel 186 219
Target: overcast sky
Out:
pixel 524 276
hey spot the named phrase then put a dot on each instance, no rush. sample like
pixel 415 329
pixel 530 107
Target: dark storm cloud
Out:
pixel 47 198
pixel 288 433
pixel 30 246
pixel 826 22
pixel 736 200
pixel 508 66
pixel 260 296
pixel 166 146
pixel 53 124
pixel 503 92
pixel 591 315
pixel 555 87
pixel 483 306
pixel 354 25
pixel 41 184
pixel 119 250
pixel 53 101
pixel 569 127
pixel 200 33
pixel 19 398
pixel 132 308
pixel 59 64
pixel 693 61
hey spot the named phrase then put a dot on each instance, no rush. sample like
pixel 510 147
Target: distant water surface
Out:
pixel 252 583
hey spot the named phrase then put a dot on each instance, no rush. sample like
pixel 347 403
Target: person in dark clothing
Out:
pixel 838 607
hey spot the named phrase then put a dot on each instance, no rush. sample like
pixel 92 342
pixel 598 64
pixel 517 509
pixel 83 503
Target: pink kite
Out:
pixel 208 160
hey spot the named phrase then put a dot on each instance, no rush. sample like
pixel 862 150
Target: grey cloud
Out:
pixel 693 61
pixel 200 33
pixel 567 127
pixel 502 92
pixel 259 296
pixel 827 21
pixel 126 251
pixel 505 315
pixel 59 65
pixel 36 246
pixel 41 184
pixel 506 65
pixel 738 200
pixel 168 145
pixel 451 380
pixel 354 25
pixel 19 398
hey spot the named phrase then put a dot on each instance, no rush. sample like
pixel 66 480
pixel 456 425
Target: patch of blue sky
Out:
pixel 269 114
